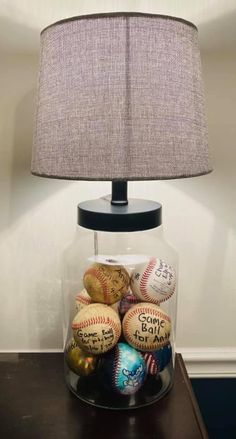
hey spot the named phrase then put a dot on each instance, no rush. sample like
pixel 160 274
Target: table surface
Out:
pixel 36 404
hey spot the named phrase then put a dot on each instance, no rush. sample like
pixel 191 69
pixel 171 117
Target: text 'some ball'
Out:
pixel 96 328
pixel 106 283
pixel 124 369
pixel 82 299
pixel 153 282
pixel 146 327
pixel 78 361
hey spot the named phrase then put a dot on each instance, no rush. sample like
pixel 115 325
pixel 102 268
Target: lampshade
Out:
pixel 120 96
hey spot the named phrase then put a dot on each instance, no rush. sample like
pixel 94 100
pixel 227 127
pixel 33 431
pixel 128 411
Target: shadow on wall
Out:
pixel 42 291
pixel 218 34
pixel 45 315
pixel 16 37
pixel 27 190
pixel 17 42
pixel 217 191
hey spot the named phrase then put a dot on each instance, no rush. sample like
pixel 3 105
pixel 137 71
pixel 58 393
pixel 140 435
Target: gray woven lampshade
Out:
pixel 120 97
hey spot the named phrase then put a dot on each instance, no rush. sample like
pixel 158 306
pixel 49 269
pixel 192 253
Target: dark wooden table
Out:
pixel 35 404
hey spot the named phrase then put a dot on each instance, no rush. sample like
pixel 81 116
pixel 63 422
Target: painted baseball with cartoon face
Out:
pixel 124 369
pixel 96 328
pixel 153 282
pixel 106 283
pixel 146 327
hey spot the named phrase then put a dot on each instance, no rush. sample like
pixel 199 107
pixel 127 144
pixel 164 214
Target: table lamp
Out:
pixel 120 98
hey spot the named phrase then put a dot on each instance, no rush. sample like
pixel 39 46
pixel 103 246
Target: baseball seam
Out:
pixel 102 279
pixel 151 363
pixel 116 368
pixel 145 277
pixel 145 309
pixel 97 321
pixel 168 296
pixel 83 300
pixel 144 281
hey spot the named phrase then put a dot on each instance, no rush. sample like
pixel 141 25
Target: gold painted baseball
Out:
pixel 78 361
pixel 82 299
pixel 146 327
pixel 106 283
pixel 96 328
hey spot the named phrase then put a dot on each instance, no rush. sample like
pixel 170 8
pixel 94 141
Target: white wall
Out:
pixel 38 218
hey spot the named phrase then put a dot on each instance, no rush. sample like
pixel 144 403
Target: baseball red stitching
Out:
pixel 145 277
pixel 154 312
pixel 84 300
pixel 169 295
pixel 116 367
pixel 151 363
pixel 96 321
pixel 144 281
pixel 102 279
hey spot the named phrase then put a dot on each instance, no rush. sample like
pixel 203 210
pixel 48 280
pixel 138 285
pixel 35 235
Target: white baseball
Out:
pixel 82 299
pixel 153 282
pixel 96 328
pixel 146 327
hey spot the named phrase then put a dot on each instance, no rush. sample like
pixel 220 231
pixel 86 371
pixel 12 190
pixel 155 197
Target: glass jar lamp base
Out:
pixel 120 291
pixel 92 391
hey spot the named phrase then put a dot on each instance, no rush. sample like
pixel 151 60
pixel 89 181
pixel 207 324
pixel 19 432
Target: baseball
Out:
pixel 153 282
pixel 115 306
pixel 146 327
pixel 78 361
pixel 156 361
pixel 124 369
pixel 82 299
pixel 106 283
pixel 126 303
pixel 96 328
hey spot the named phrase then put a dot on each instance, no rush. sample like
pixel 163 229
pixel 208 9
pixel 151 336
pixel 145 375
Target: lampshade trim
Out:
pixel 119 14
pixel 37 174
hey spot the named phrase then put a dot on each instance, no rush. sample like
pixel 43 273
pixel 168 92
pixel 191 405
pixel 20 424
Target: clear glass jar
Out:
pixel 119 340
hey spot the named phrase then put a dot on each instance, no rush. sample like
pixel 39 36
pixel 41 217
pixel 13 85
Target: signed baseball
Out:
pixel 106 283
pixel 124 369
pixel 146 327
pixel 96 328
pixel 153 282
pixel 82 299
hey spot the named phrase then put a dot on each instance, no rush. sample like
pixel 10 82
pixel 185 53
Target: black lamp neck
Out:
pixel 119 195
pixel 116 214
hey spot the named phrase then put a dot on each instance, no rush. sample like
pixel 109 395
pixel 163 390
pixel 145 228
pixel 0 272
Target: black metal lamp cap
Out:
pixel 135 216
